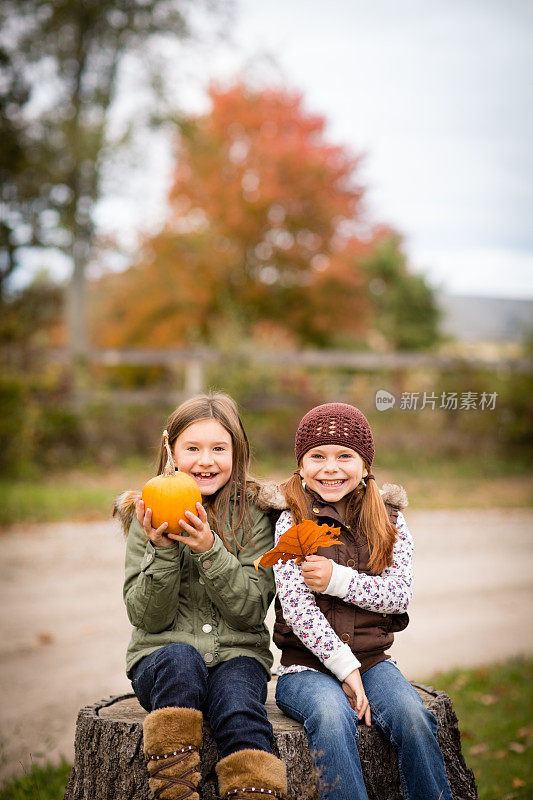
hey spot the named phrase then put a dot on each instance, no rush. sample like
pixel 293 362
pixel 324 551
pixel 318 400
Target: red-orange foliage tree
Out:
pixel 260 236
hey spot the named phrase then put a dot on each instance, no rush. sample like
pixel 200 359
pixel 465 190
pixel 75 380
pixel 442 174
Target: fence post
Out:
pixel 194 377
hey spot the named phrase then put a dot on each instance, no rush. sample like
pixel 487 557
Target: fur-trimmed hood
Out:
pixel 268 497
pixel 124 509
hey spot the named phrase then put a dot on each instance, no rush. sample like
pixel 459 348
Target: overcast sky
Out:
pixel 437 94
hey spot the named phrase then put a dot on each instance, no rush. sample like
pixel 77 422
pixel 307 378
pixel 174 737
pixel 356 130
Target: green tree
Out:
pixel 406 314
pixel 23 195
pixel 67 54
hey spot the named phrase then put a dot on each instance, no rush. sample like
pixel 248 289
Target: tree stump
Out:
pixel 109 761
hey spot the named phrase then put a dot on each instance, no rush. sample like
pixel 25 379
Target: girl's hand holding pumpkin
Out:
pixel 200 537
pixel 157 536
pixel 316 571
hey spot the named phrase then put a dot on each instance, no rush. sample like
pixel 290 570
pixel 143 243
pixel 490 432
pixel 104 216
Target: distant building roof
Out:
pixel 471 318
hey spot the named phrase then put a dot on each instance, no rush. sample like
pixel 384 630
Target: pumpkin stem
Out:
pixel 170 467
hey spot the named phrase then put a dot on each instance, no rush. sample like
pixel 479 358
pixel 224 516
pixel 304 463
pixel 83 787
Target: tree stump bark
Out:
pixel 109 761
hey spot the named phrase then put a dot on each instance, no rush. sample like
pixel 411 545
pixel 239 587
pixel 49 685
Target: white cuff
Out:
pixel 339 583
pixel 342 662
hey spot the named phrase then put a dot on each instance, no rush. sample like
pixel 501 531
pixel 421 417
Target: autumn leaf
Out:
pixel 298 542
pixel 478 749
pixel 487 699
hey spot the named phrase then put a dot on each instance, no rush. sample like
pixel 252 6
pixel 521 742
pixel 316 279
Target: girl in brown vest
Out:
pixel 336 613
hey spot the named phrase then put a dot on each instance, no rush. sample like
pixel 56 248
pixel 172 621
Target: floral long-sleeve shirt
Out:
pixel 390 593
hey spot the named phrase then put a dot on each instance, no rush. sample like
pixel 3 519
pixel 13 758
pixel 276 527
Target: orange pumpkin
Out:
pixel 171 494
pixel 169 497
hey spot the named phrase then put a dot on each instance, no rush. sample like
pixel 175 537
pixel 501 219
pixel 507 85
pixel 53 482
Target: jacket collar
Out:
pixel 323 509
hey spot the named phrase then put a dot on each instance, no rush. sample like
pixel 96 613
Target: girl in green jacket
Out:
pixel 198 606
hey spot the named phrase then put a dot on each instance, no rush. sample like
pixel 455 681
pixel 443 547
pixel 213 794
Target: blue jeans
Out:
pixel 232 694
pixel 318 701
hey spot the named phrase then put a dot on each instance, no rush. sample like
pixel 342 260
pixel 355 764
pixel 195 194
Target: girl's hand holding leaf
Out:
pixel 298 542
pixel 316 571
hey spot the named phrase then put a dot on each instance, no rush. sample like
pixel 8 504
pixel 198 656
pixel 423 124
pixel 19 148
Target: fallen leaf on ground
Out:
pixel 516 747
pixel 478 749
pixel 518 783
pixel 460 681
pixel 298 542
pixel 488 699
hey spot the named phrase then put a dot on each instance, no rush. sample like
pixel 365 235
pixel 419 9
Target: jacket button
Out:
pixel 149 557
pixel 384 615
pixel 206 564
pixel 316 510
pixel 345 637
pixel 201 581
pixel 350 562
pixel 207 628
pixel 208 658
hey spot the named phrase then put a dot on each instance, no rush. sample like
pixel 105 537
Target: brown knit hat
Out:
pixel 335 423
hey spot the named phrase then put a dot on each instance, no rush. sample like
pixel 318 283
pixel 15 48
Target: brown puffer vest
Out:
pixel 367 633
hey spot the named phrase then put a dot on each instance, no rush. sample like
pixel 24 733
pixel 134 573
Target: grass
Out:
pixel 82 495
pixel 39 783
pixel 468 482
pixel 493 705
pixel 79 495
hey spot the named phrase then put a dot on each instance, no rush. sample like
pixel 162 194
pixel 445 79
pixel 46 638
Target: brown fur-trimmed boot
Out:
pixel 172 742
pixel 252 775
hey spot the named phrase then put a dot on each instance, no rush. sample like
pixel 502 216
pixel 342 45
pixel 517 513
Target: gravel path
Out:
pixel 64 628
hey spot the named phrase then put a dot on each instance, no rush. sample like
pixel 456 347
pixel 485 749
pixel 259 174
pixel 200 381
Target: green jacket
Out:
pixel 215 601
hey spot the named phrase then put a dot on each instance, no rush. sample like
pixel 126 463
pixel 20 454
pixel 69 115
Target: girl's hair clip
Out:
pixel 297 472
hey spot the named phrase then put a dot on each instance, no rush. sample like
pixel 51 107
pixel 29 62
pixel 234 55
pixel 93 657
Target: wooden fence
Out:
pixel 191 365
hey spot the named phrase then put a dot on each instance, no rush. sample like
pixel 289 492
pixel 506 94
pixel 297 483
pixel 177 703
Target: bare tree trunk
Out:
pixel 109 762
pixel 76 322
pixel 76 313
